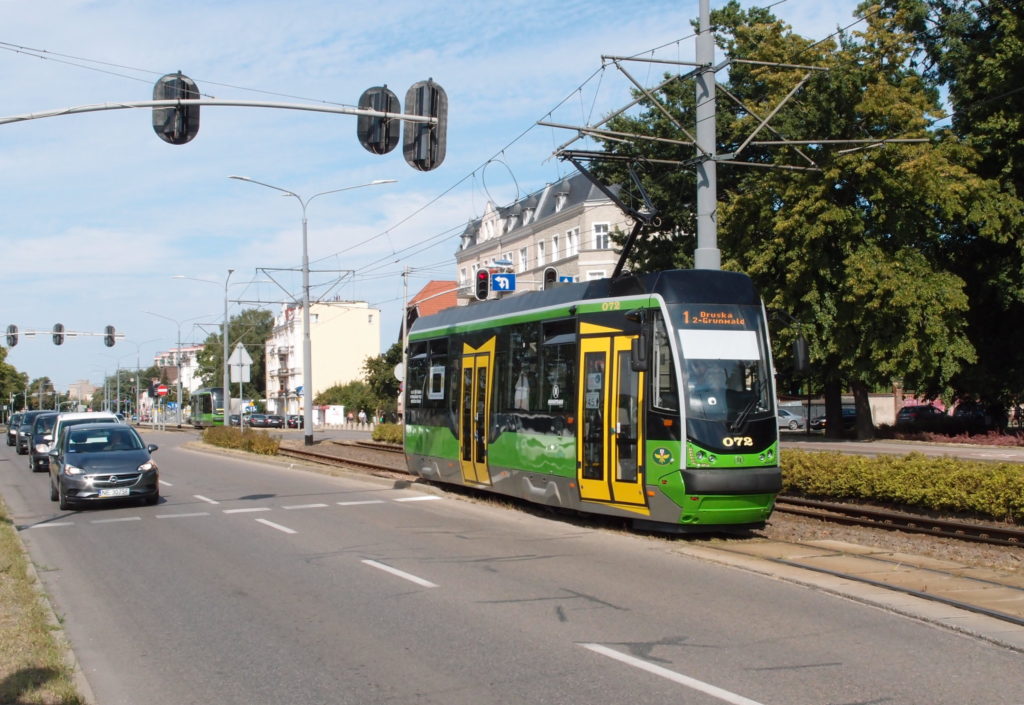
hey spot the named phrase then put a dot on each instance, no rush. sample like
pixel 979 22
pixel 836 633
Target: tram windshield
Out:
pixel 727 376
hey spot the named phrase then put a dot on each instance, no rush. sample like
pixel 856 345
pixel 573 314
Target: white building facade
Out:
pixel 565 226
pixel 342 335
pixel 185 359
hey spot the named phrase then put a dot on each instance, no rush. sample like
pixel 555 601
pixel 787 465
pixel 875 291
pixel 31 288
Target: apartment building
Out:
pixel 565 226
pixel 342 335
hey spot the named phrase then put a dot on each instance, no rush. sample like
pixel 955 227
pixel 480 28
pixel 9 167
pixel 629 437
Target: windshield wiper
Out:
pixel 741 418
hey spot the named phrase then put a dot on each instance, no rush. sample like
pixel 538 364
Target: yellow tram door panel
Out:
pixel 610 422
pixel 475 411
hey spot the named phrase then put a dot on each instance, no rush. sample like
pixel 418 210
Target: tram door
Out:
pixel 475 411
pixel 610 413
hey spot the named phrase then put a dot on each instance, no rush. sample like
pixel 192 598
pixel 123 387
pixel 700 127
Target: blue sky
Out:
pixel 97 214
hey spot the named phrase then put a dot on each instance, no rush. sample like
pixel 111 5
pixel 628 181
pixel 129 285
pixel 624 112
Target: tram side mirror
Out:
pixel 638 353
pixel 801 359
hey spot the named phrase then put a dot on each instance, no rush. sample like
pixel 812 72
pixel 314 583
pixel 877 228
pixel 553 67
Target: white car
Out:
pixel 71 418
pixel 794 422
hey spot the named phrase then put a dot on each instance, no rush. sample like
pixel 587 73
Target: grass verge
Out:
pixel 33 666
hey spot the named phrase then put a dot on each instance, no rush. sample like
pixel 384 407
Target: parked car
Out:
pixel 13 424
pixel 787 419
pixel 39 443
pixel 819 423
pixel 101 462
pixel 275 421
pixel 234 420
pixel 918 413
pixel 256 420
pixel 24 439
pixel 295 420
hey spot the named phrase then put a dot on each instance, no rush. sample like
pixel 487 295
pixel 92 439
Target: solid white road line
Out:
pixel 400 573
pixel 365 501
pixel 707 688
pixel 246 510
pixel 418 498
pixel 206 499
pixel 272 525
pixel 303 506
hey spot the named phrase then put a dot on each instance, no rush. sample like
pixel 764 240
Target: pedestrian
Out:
pixel 362 417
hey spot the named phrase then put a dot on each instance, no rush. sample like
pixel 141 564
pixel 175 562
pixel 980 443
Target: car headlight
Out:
pixel 148 465
pixel 72 470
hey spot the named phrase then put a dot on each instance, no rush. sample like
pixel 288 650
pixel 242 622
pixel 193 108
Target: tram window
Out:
pixel 663 373
pixel 524 372
pixel 418 361
pixel 438 362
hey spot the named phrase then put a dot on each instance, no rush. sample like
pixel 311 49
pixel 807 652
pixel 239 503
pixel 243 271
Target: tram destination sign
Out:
pixel 714 317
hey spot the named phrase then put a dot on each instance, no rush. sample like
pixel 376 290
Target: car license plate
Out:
pixel 114 492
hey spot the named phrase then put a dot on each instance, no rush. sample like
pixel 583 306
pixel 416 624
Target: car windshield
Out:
pixel 102 440
pixel 44 424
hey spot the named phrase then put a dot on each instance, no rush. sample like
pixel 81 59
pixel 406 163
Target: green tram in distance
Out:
pixel 208 407
pixel 645 397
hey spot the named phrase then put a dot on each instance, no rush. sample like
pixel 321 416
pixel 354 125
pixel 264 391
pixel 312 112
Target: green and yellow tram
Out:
pixel 208 407
pixel 645 397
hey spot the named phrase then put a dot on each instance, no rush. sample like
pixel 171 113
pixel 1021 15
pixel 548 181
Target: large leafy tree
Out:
pixel 12 382
pixel 975 52
pixel 856 249
pixel 252 327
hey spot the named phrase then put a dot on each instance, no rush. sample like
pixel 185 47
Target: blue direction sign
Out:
pixel 503 282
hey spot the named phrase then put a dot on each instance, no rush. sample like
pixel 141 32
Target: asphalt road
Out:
pixel 259 583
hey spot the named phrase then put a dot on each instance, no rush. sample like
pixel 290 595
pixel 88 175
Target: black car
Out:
pixel 256 421
pixel 24 439
pixel 820 423
pixel 295 421
pixel 918 413
pixel 234 420
pixel 102 462
pixel 275 421
pixel 41 438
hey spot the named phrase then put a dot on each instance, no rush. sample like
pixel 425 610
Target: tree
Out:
pixel 354 396
pixel 855 250
pixel 12 382
pixel 380 376
pixel 252 327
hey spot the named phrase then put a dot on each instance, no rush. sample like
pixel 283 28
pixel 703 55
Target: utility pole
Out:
pixel 707 254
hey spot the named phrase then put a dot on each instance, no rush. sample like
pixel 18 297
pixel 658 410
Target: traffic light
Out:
pixel 177 125
pixel 423 144
pixel 12 335
pixel 483 284
pixel 550 277
pixel 108 336
pixel 378 135
pixel 58 333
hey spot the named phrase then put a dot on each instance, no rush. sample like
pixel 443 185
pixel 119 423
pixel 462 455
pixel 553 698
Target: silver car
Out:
pixel 791 421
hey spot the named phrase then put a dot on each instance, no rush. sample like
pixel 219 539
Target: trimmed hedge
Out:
pixel 388 433
pixel 259 442
pixel 949 485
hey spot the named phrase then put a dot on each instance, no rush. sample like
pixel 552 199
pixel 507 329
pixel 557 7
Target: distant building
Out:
pixel 565 226
pixel 168 364
pixel 342 335
pixel 82 391
pixel 436 296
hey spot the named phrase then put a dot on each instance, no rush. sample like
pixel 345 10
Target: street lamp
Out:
pixel 307 349
pixel 224 337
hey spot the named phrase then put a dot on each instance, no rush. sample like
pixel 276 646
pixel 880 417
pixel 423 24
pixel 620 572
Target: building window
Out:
pixel 554 248
pixel 572 242
pixel 462 277
pixel 560 200
pixel 601 239
pixel 523 259
pixel 596 274
pixel 540 254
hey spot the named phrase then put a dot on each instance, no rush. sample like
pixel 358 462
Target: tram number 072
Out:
pixel 737 441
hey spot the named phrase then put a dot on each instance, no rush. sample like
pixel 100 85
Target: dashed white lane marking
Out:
pixel 358 502
pixel 400 573
pixel 56 523
pixel 272 525
pixel 183 515
pixel 418 498
pixel 206 499
pixel 118 519
pixel 303 506
pixel 706 688
pixel 246 510
pixel 165 483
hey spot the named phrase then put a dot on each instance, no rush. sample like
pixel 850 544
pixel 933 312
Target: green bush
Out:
pixel 989 490
pixel 388 433
pixel 259 442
